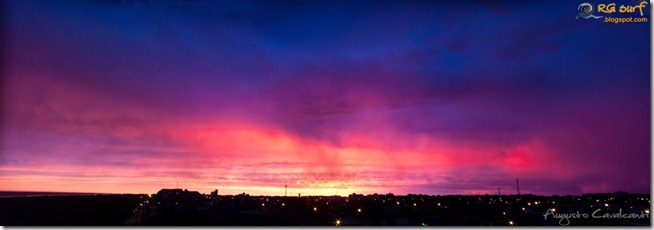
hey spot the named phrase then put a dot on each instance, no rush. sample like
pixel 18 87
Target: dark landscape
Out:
pixel 179 207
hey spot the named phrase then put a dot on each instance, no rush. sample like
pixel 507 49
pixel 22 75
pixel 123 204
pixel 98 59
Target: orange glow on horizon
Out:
pixel 325 169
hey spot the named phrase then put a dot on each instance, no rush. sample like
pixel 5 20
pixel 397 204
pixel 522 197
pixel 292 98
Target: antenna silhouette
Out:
pixel 517 184
pixel 285 190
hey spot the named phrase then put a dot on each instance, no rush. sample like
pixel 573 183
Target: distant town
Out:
pixel 181 207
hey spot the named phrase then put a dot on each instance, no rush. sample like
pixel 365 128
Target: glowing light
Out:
pixel 553 209
pixel 646 211
pixel 338 222
pixel 510 222
pixel 439 204
pixel 283 204
pixel 315 209
pixel 398 203
pixel 606 205
pixel 262 204
pixel 523 208
pixel 414 204
pixel 503 213
pixel 528 204
pixel 358 210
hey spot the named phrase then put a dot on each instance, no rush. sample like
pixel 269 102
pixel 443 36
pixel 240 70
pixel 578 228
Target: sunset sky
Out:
pixel 327 97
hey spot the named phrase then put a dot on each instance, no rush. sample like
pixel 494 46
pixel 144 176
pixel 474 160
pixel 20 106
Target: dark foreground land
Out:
pixel 182 207
pixel 68 210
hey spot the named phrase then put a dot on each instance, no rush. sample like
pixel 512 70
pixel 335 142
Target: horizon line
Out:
pixel 313 195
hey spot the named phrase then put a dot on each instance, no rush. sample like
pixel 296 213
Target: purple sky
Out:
pixel 324 96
